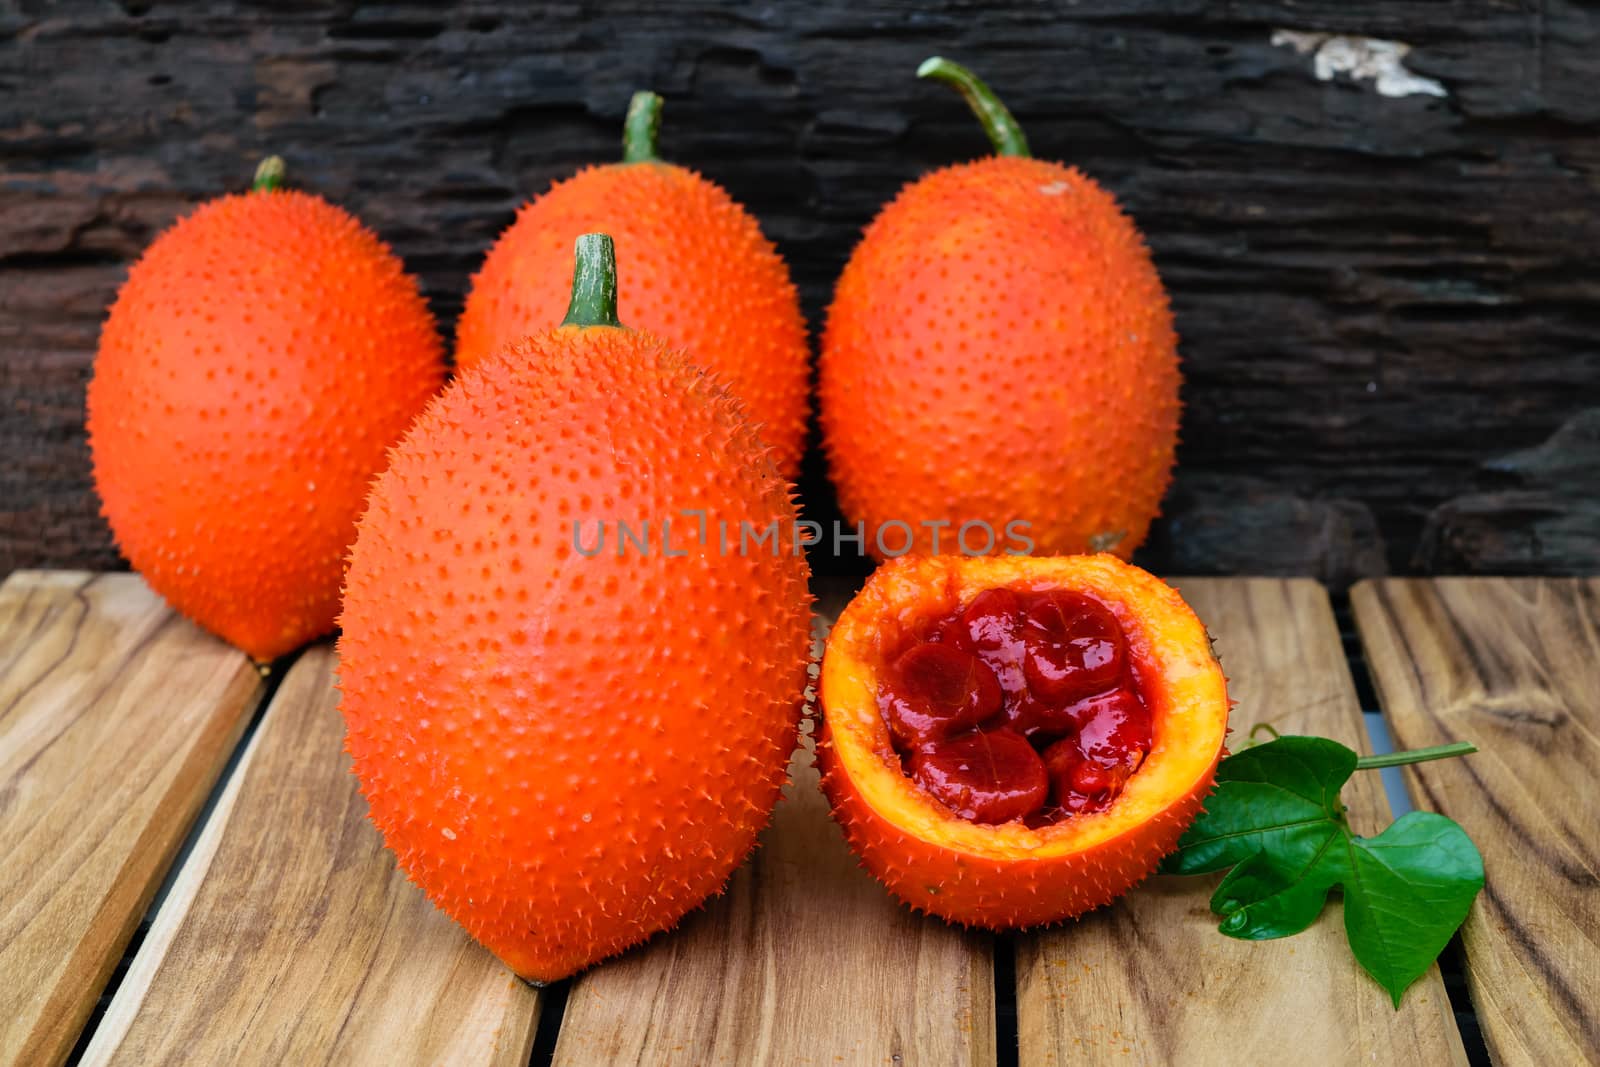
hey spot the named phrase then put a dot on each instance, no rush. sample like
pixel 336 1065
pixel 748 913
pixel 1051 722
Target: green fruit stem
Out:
pixel 1416 755
pixel 1001 126
pixel 269 175
pixel 594 283
pixel 639 129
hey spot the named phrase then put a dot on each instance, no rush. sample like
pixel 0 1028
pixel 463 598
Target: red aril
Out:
pixel 993 620
pixel 1114 728
pixel 1046 670
pixel 988 776
pixel 1079 785
pixel 992 624
pixel 937 690
pixel 1072 647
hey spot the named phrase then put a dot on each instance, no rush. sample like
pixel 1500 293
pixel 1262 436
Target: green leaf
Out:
pixel 1282 797
pixel 1276 819
pixel 1407 891
pixel 1264 898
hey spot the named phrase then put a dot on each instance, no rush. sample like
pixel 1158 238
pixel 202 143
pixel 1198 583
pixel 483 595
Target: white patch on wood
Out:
pixel 1363 58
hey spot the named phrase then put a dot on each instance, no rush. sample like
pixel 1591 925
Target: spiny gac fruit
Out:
pixel 1009 741
pixel 571 735
pixel 999 349
pixel 700 274
pixel 263 354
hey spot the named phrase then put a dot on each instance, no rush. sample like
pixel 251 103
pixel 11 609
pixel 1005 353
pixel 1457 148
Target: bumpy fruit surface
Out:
pixel 262 356
pixel 570 742
pixel 1000 349
pixel 699 274
pixel 1077 780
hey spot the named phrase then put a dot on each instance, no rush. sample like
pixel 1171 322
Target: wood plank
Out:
pixel 291 937
pixel 1149 980
pixel 1512 665
pixel 116 716
pixel 805 959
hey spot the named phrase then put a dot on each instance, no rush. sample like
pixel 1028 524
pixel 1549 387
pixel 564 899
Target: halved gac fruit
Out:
pixel 1058 795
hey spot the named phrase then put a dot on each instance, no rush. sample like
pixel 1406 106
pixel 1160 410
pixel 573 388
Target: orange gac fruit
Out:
pixel 700 274
pixel 1000 349
pixel 263 354
pixel 569 736
pixel 1051 865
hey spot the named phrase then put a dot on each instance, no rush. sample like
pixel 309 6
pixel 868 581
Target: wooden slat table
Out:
pixel 288 936
pixel 116 717
pixel 1512 665
pixel 1150 981
pixel 805 960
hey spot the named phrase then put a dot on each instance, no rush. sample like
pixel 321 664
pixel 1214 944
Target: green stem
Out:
pixel 594 283
pixel 269 175
pixel 1416 755
pixel 639 129
pixel 1263 727
pixel 1004 133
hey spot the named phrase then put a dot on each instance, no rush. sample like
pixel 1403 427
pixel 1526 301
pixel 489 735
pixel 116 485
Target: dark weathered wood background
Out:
pixel 1387 304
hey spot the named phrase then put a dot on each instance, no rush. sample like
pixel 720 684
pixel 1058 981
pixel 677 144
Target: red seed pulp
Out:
pixel 983 775
pixel 935 690
pixel 1020 705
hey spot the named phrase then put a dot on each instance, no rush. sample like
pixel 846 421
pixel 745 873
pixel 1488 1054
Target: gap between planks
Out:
pixel 1513 666
pixel 116 717
pixel 1149 980
pixel 290 936
pixel 807 960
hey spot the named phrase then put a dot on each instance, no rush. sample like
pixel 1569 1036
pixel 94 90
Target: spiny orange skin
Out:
pixel 1009 876
pixel 263 354
pixel 1000 348
pixel 570 752
pixel 696 271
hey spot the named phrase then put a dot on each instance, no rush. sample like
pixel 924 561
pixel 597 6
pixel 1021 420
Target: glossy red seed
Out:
pixel 1114 728
pixel 1091 779
pixel 991 776
pixel 993 619
pixel 1077 785
pixel 993 625
pixel 1072 700
pixel 934 690
pixel 1073 647
pixel 951 632
pixel 1040 721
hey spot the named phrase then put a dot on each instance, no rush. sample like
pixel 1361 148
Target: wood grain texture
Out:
pixel 1149 980
pixel 1512 665
pixel 291 937
pixel 1349 270
pixel 804 960
pixel 116 716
